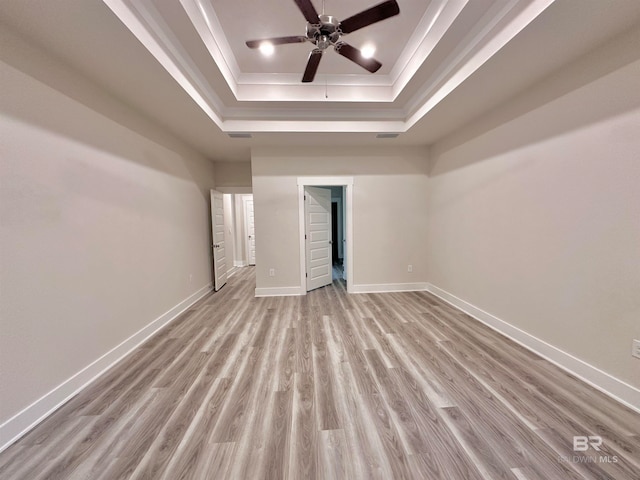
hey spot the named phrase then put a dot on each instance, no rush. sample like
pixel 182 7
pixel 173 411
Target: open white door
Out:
pixel 217 231
pixel 317 208
pixel 251 231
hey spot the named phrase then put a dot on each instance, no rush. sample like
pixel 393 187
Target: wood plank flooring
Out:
pixel 329 386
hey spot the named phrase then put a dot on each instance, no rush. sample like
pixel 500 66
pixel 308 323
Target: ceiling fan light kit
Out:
pixel 267 49
pixel 325 31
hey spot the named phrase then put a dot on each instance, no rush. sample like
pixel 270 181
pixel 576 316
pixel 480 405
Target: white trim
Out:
pixel 280 291
pixel 28 418
pixel 147 25
pixel 390 287
pixel 301 233
pixel 325 181
pixel 235 190
pixel 495 29
pixel 239 263
pixel 348 252
pixel 606 383
pixel 208 26
pixel 346 182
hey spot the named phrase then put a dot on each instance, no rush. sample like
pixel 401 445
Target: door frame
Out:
pixel 347 183
pixel 341 228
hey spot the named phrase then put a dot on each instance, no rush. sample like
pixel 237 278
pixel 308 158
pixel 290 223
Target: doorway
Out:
pixel 233 239
pixel 339 191
pixel 318 243
pixel 249 225
pixel 337 231
pixel 334 232
pixel 218 240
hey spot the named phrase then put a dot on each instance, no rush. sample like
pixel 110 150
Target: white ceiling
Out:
pixel 184 63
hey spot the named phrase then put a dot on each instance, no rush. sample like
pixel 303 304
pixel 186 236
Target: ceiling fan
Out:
pixel 325 30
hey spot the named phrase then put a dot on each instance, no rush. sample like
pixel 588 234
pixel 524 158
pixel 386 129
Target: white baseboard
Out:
pixel 280 291
pixel 22 422
pixel 239 263
pixel 388 287
pixel 606 383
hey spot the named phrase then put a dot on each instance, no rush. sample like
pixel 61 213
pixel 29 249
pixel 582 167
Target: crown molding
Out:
pixel 497 26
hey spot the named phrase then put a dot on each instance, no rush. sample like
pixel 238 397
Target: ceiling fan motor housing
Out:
pixel 325 33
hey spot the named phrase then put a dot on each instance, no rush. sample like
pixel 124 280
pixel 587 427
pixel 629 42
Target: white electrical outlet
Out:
pixel 635 348
pixel 272 272
pixel 409 268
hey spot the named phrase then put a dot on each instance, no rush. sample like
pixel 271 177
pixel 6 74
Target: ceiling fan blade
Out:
pixel 312 65
pixel 276 41
pixel 374 14
pixel 353 54
pixel 308 10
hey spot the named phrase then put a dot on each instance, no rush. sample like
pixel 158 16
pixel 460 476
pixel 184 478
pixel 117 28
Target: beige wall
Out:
pixel 233 174
pixel 104 225
pixel 389 195
pixel 534 211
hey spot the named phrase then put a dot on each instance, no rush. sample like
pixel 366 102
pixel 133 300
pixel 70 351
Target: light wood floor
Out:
pixel 329 386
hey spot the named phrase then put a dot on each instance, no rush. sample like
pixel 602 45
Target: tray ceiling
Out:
pixel 242 91
pixel 183 64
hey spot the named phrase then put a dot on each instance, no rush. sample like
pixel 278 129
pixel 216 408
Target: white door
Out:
pixel 217 233
pixel 317 214
pixel 251 231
